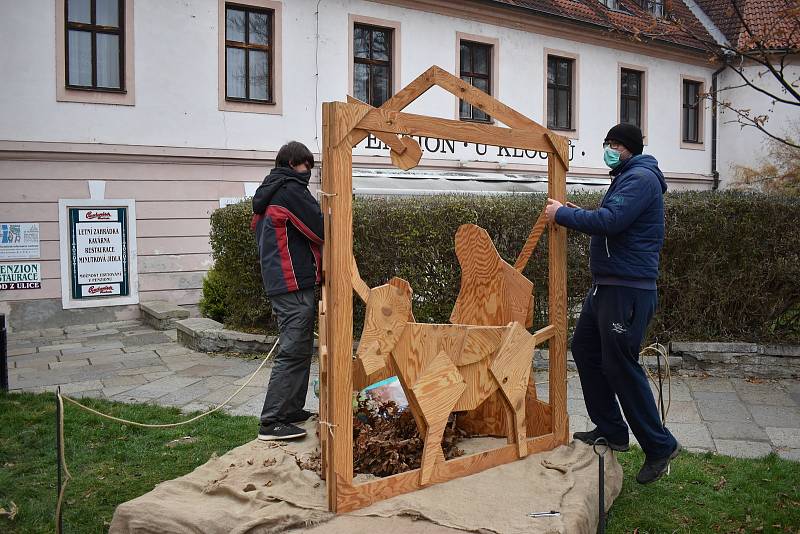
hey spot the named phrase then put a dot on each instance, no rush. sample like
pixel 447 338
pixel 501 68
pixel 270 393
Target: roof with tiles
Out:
pixel 776 23
pixel 629 18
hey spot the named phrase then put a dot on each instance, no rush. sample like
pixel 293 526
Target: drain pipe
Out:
pixel 714 139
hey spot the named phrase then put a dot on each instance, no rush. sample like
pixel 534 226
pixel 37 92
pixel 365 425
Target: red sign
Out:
pixel 99 215
pixel 92 290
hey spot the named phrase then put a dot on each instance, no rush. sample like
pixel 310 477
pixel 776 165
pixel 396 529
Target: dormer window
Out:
pixel 654 7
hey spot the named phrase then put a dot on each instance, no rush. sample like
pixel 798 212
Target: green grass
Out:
pixel 113 463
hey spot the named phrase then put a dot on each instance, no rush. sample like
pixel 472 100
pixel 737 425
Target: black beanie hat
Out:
pixel 629 135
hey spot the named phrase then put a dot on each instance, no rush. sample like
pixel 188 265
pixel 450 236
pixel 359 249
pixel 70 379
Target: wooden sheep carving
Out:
pixel 445 367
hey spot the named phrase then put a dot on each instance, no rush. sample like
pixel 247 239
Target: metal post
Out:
pixel 3 354
pixel 661 389
pixel 59 415
pixel 601 483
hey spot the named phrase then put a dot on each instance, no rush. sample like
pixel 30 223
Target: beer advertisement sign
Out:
pixel 99 252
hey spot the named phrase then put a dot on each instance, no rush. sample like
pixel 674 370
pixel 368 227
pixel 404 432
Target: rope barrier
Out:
pixel 61 398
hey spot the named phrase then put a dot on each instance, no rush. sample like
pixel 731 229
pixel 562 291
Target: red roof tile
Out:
pixel 775 23
pixel 630 19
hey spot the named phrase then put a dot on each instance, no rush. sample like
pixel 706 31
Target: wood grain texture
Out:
pixel 492 292
pixel 402 98
pixel 530 243
pixel 359 286
pixel 358 496
pixel 557 288
pixel 396 122
pixel 512 369
pixel 436 392
pixel 387 314
pixel 337 180
pixel 409 157
pixel 487 418
pixel 490 105
pixel 441 367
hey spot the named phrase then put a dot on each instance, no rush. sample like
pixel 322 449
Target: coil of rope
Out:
pixel 61 398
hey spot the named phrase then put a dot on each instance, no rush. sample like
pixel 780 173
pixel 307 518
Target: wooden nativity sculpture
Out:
pixel 479 365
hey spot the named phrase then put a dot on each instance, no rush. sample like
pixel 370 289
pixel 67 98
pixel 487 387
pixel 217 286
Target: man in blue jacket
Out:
pixel 289 231
pixel 627 235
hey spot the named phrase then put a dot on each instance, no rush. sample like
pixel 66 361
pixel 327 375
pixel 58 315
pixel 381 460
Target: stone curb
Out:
pixel 206 335
pixel 161 314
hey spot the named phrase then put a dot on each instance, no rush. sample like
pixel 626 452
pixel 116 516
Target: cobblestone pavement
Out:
pixel 128 361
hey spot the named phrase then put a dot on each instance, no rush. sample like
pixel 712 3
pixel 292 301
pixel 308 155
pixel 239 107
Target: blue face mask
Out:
pixel 611 157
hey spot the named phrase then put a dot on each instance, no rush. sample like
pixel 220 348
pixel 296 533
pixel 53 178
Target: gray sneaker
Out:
pixel 655 468
pixel 279 431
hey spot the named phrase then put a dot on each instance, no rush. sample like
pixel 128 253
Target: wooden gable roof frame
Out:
pixel 344 125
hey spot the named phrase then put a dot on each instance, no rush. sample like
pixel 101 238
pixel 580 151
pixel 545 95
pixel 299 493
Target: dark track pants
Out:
pixel 288 382
pixel 605 346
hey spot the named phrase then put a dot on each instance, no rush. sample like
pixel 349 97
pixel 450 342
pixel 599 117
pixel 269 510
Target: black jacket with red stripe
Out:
pixel 288 223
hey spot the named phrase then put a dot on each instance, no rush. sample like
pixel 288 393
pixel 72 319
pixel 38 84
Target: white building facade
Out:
pixel 141 104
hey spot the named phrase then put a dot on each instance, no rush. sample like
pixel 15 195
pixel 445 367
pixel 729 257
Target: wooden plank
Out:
pixel 557 289
pixel 359 286
pixel 512 369
pixel 387 315
pixel 404 97
pixel 487 418
pixel 492 292
pixel 559 148
pixel 531 242
pixel 488 104
pixel 480 342
pixel 337 177
pixel 353 497
pixel 436 391
pixel 380 120
pixel 480 386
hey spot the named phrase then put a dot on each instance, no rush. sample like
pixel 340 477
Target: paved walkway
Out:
pixel 130 362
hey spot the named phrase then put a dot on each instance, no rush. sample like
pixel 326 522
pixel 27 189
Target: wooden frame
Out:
pixel 344 126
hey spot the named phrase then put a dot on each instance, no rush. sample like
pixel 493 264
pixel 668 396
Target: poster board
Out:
pixel 98 253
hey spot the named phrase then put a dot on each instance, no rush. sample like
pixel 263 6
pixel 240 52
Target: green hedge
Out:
pixel 730 265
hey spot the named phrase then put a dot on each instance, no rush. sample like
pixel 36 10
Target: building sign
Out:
pixel 19 241
pixel 475 151
pixel 98 243
pixel 20 276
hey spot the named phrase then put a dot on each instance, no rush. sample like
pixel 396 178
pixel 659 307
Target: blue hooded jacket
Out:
pixel 628 228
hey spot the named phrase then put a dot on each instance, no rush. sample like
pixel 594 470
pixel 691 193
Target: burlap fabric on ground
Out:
pixel 259 488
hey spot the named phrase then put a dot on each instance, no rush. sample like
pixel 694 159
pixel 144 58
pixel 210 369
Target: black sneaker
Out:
pixel 654 469
pixel 278 431
pixel 299 416
pixel 590 437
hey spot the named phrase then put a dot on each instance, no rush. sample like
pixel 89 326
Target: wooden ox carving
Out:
pixel 444 367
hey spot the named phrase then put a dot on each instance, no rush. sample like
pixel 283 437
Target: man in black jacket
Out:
pixel 288 223
pixel 627 235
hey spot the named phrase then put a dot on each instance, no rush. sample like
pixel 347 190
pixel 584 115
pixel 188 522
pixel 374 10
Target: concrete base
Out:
pixel 23 315
pixel 207 335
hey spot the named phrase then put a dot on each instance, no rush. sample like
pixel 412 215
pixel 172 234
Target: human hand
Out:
pixel 551 209
pixel 571 205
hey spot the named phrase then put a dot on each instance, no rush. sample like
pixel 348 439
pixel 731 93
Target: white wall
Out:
pixel 176 81
pixel 746 146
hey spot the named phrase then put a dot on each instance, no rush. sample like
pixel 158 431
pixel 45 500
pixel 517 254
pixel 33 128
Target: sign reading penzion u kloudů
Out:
pixel 98 249
pixel 20 276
